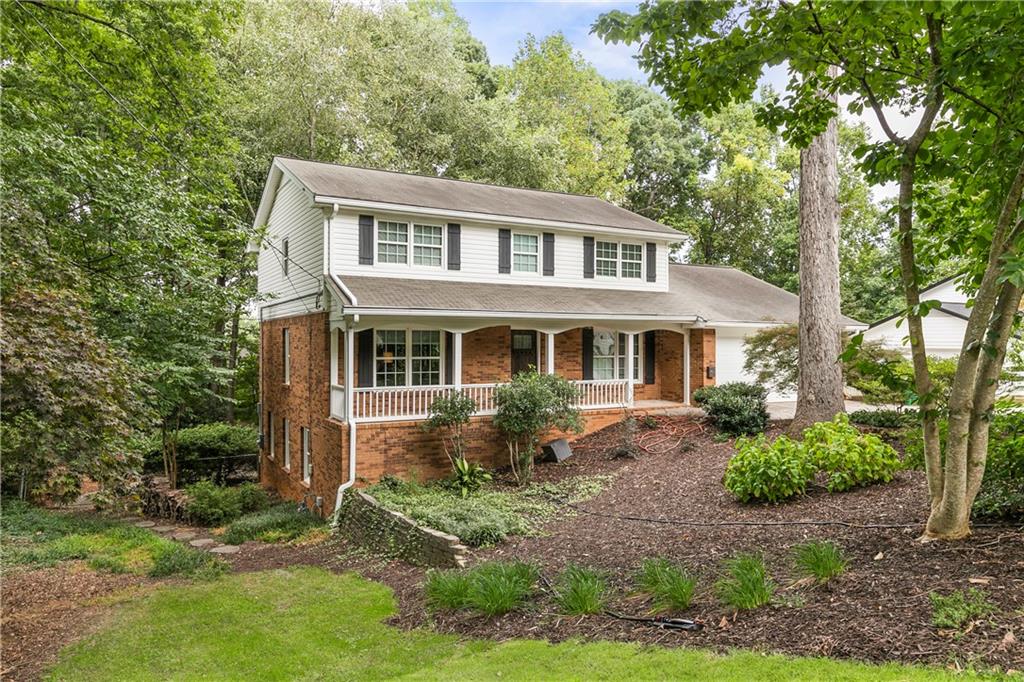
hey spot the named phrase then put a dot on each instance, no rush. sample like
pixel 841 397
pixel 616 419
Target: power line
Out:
pixel 291 260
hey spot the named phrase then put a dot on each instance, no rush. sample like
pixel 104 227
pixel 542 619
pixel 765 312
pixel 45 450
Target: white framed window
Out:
pixel 284 256
pixel 426 245
pixel 632 261
pixel 609 350
pixel 286 433
pixel 390 357
pixel 392 242
pixel 426 357
pixel 525 250
pixel 607 259
pixel 286 355
pixel 307 464
pixel 270 433
pixel 621 357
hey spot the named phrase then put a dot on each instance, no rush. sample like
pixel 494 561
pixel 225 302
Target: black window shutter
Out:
pixel 549 254
pixel 504 251
pixel 454 246
pixel 649 355
pixel 366 240
pixel 652 261
pixel 588 353
pixel 588 257
pixel 365 358
pixel 449 358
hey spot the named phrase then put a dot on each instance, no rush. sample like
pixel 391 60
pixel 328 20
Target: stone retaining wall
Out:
pixel 367 522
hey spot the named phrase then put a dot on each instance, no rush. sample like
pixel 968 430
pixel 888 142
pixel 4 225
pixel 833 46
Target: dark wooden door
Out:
pixel 524 350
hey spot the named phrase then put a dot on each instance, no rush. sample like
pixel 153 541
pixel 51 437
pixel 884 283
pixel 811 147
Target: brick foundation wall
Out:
pixel 702 356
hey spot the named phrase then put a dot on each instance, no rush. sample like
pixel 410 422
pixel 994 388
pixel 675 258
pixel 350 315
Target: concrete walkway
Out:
pixel 196 537
pixel 786 409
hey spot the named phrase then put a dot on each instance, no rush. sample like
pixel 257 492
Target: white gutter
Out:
pixel 494 218
pixel 499 314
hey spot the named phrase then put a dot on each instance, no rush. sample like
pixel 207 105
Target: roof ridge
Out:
pixel 440 177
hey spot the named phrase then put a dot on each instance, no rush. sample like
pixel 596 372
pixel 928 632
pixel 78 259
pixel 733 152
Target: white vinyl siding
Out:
pixel 479 256
pixel 291 290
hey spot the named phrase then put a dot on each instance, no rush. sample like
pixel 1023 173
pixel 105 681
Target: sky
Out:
pixel 502 25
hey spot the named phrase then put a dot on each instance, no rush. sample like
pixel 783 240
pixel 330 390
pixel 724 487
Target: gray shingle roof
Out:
pixel 364 184
pixel 716 294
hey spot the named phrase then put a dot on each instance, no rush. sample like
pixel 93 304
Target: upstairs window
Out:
pixel 426 249
pixel 632 260
pixel 524 252
pixel 607 259
pixel 392 242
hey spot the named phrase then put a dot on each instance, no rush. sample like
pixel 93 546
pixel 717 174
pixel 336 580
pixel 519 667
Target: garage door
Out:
pixel 729 360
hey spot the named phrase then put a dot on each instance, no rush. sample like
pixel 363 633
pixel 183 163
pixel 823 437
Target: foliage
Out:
pixel 848 457
pixel 492 588
pixel 450 414
pixel 39 537
pixel 280 523
pixel 959 607
pixel 819 560
pixel 528 407
pixel 216 451
pixel 213 505
pixel 467 477
pixel 768 471
pixel 670 586
pixel 581 591
pixel 884 418
pixel 747 585
pixel 736 408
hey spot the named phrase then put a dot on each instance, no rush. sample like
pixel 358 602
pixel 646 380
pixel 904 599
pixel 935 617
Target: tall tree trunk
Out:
pixel 820 385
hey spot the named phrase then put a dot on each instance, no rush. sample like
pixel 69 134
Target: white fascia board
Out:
pixel 519 315
pixel 492 218
pixel 740 324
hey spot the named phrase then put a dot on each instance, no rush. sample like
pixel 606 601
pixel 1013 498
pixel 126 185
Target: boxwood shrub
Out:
pixel 735 408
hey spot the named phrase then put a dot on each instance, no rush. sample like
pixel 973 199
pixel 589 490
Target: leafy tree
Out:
pixel 951 64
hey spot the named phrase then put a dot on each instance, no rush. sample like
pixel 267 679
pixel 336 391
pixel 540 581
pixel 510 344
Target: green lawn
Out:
pixel 306 623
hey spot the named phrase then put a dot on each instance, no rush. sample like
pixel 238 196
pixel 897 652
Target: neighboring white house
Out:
pixel 944 326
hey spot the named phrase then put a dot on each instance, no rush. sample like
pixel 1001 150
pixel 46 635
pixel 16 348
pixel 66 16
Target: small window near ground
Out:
pixel 307 464
pixel 607 259
pixel 632 260
pixel 286 355
pixel 524 252
pixel 286 433
pixel 426 358
pixel 426 245
pixel 392 242
pixel 389 350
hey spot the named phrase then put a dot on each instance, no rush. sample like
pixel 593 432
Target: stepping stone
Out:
pixel 163 529
pixel 203 542
pixel 183 535
pixel 226 549
pixel 145 524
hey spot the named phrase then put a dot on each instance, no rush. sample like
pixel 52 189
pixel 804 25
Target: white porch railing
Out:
pixel 413 402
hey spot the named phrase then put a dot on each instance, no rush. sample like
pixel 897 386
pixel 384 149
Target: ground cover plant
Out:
pixel 36 537
pixel 958 608
pixel 735 408
pixel 267 625
pixel 821 561
pixel 492 588
pixel 885 418
pixel 210 504
pixel 580 590
pixel 746 584
pixel 670 586
pixel 280 523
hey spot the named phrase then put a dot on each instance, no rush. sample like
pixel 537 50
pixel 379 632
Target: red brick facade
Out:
pixel 403 448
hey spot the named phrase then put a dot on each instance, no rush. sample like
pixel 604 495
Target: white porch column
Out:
pixel 334 356
pixel 549 354
pixel 629 368
pixel 350 343
pixel 457 359
pixel 686 366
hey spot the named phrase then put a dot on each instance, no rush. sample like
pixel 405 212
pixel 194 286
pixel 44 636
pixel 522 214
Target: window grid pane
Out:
pixel 392 242
pixel 426 245
pixel 604 355
pixel 390 357
pixel 607 259
pixel 426 358
pixel 524 252
pixel 632 258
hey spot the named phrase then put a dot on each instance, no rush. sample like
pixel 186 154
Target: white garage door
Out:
pixel 729 360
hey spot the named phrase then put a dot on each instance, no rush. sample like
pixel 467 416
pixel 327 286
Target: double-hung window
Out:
pixel 392 242
pixel 286 433
pixel 307 464
pixel 609 352
pixel 390 357
pixel 426 245
pixel 632 261
pixel 405 357
pixel 525 248
pixel 286 355
pixel 607 259
pixel 426 358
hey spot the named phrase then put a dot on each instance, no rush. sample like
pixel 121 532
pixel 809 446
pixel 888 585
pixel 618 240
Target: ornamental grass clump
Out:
pixel 821 561
pixel 492 589
pixel 670 586
pixel 581 591
pixel 747 584
pixel 447 589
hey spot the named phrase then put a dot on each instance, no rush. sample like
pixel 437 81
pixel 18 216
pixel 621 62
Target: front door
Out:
pixel 524 350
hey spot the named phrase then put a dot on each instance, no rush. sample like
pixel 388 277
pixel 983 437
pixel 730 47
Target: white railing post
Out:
pixel 550 354
pixel 629 369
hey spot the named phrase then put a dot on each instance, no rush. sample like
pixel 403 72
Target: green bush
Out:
pixel 213 505
pixel 279 523
pixel 669 585
pixel 735 408
pixel 581 591
pixel 747 585
pixel 959 607
pixel 450 415
pixel 819 560
pixel 848 457
pixel 215 451
pixel 493 588
pixel 885 418
pixel 768 471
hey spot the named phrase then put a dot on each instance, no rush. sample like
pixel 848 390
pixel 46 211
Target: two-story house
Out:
pixel 382 291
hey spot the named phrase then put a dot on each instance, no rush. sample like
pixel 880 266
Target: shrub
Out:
pixel 848 457
pixel 493 588
pixel 1002 489
pixel 450 414
pixel 819 560
pixel 279 523
pixel 581 591
pixel 959 607
pixel 885 419
pixel 467 477
pixel 768 471
pixel 747 585
pixel 670 586
pixel 215 451
pixel 213 505
pixel 735 408
pixel 177 559
pixel 528 406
